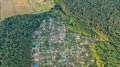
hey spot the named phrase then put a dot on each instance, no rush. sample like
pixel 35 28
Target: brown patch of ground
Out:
pixel 14 7
pixel 0 9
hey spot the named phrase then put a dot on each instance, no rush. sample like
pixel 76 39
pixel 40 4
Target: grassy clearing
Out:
pixel 39 6
pixel 14 7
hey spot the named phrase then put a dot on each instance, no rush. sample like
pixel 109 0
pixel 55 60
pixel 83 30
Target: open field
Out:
pixel 14 7
pixel 39 6
pixel 0 9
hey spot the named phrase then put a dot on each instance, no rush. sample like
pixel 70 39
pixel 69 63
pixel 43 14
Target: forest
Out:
pixel 98 19
pixel 103 18
pixel 16 39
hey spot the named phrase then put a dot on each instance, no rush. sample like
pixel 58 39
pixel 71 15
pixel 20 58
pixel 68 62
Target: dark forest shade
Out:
pixel 16 39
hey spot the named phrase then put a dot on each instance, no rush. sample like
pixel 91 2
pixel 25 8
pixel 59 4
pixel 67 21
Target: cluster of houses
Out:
pixel 61 52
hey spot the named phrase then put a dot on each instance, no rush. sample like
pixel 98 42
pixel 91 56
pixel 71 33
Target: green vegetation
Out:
pixel 59 46
pixel 108 54
pixel 101 17
pixel 98 19
pixel 16 39
pixel 40 5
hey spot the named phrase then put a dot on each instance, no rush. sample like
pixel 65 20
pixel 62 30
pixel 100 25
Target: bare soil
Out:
pixel 14 7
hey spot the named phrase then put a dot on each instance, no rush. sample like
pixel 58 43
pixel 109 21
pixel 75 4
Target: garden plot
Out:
pixel 59 47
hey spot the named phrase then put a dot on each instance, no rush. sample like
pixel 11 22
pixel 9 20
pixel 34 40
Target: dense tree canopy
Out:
pixel 103 15
pixel 103 18
pixel 16 39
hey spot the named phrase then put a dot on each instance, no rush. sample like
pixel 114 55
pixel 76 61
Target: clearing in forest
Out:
pixel 39 6
pixel 59 47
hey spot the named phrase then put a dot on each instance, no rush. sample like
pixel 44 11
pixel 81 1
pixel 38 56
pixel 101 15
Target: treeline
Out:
pixel 16 39
pixel 101 17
